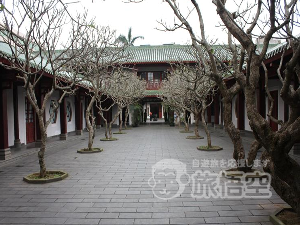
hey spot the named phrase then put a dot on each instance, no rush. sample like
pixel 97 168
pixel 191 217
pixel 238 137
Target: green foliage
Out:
pixel 129 40
pixel 137 114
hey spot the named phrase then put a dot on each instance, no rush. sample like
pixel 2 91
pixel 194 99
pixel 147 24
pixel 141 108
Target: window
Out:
pixel 69 112
pixel 52 112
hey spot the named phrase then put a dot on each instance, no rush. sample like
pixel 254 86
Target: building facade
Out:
pixel 19 125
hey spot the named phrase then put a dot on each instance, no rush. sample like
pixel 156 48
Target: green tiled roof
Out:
pixel 152 92
pixel 169 53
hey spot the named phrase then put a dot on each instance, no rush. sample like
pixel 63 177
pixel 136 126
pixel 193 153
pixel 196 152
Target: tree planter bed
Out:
pixel 108 139
pixel 213 148
pixel 285 216
pixel 194 137
pixel 87 151
pixel 119 133
pixel 52 176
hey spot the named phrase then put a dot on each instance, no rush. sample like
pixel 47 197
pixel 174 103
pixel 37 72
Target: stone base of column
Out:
pixel 5 154
pixel 63 137
pixel 98 126
pixel 79 132
pixel 297 149
pixel 17 143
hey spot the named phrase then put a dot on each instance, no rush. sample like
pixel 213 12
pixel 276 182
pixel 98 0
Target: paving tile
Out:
pixel 117 221
pixel 222 219
pixel 254 218
pixel 187 221
pixel 151 221
pixel 112 187
pixel 82 221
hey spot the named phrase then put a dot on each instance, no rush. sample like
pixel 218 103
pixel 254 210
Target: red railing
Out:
pixel 153 85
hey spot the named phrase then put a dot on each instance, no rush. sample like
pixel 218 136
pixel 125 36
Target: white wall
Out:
pixel 273 86
pixel 21 115
pixel 10 117
pixel 71 124
pixel 192 118
pixel 83 114
pixel 234 117
pixel 114 112
pixel 247 126
pixel 53 129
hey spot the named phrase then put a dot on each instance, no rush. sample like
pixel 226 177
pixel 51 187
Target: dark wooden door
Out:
pixel 274 113
pixel 29 116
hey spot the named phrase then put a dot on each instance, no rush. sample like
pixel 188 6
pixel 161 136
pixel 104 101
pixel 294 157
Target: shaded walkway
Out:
pixel 112 187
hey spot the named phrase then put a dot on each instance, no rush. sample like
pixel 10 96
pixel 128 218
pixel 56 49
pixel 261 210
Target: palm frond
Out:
pixel 135 38
pixel 129 35
pixel 122 39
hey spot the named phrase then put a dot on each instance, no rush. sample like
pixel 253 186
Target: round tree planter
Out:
pixel 52 176
pixel 185 132
pixel 87 151
pixel 119 132
pixel 205 148
pixel 194 137
pixel 285 216
pixel 108 139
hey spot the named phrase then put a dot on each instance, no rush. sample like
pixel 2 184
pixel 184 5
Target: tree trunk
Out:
pixel 41 153
pixel 126 116
pixel 206 129
pixel 110 124
pixel 106 129
pixel 90 123
pixel 255 146
pixel 233 132
pixel 121 121
pixel 106 124
pixel 197 125
pixel 186 124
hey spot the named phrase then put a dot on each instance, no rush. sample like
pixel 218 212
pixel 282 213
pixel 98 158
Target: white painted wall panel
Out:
pixel 21 114
pixel 10 117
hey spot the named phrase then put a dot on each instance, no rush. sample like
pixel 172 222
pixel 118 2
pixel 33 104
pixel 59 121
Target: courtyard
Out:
pixel 112 187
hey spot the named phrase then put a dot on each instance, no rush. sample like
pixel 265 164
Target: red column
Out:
pixel 78 114
pixel 217 109
pixel 4 149
pixel 63 120
pixel 17 142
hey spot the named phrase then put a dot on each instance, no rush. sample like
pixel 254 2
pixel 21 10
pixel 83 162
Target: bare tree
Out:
pixel 218 71
pixel 278 20
pixel 101 54
pixel 33 54
pixel 188 88
pixel 124 88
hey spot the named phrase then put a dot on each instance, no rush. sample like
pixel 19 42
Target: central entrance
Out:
pixel 154 108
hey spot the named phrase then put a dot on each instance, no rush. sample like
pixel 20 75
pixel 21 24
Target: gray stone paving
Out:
pixel 112 187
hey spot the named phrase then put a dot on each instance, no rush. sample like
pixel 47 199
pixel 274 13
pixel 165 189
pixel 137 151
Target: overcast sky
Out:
pixel 143 17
